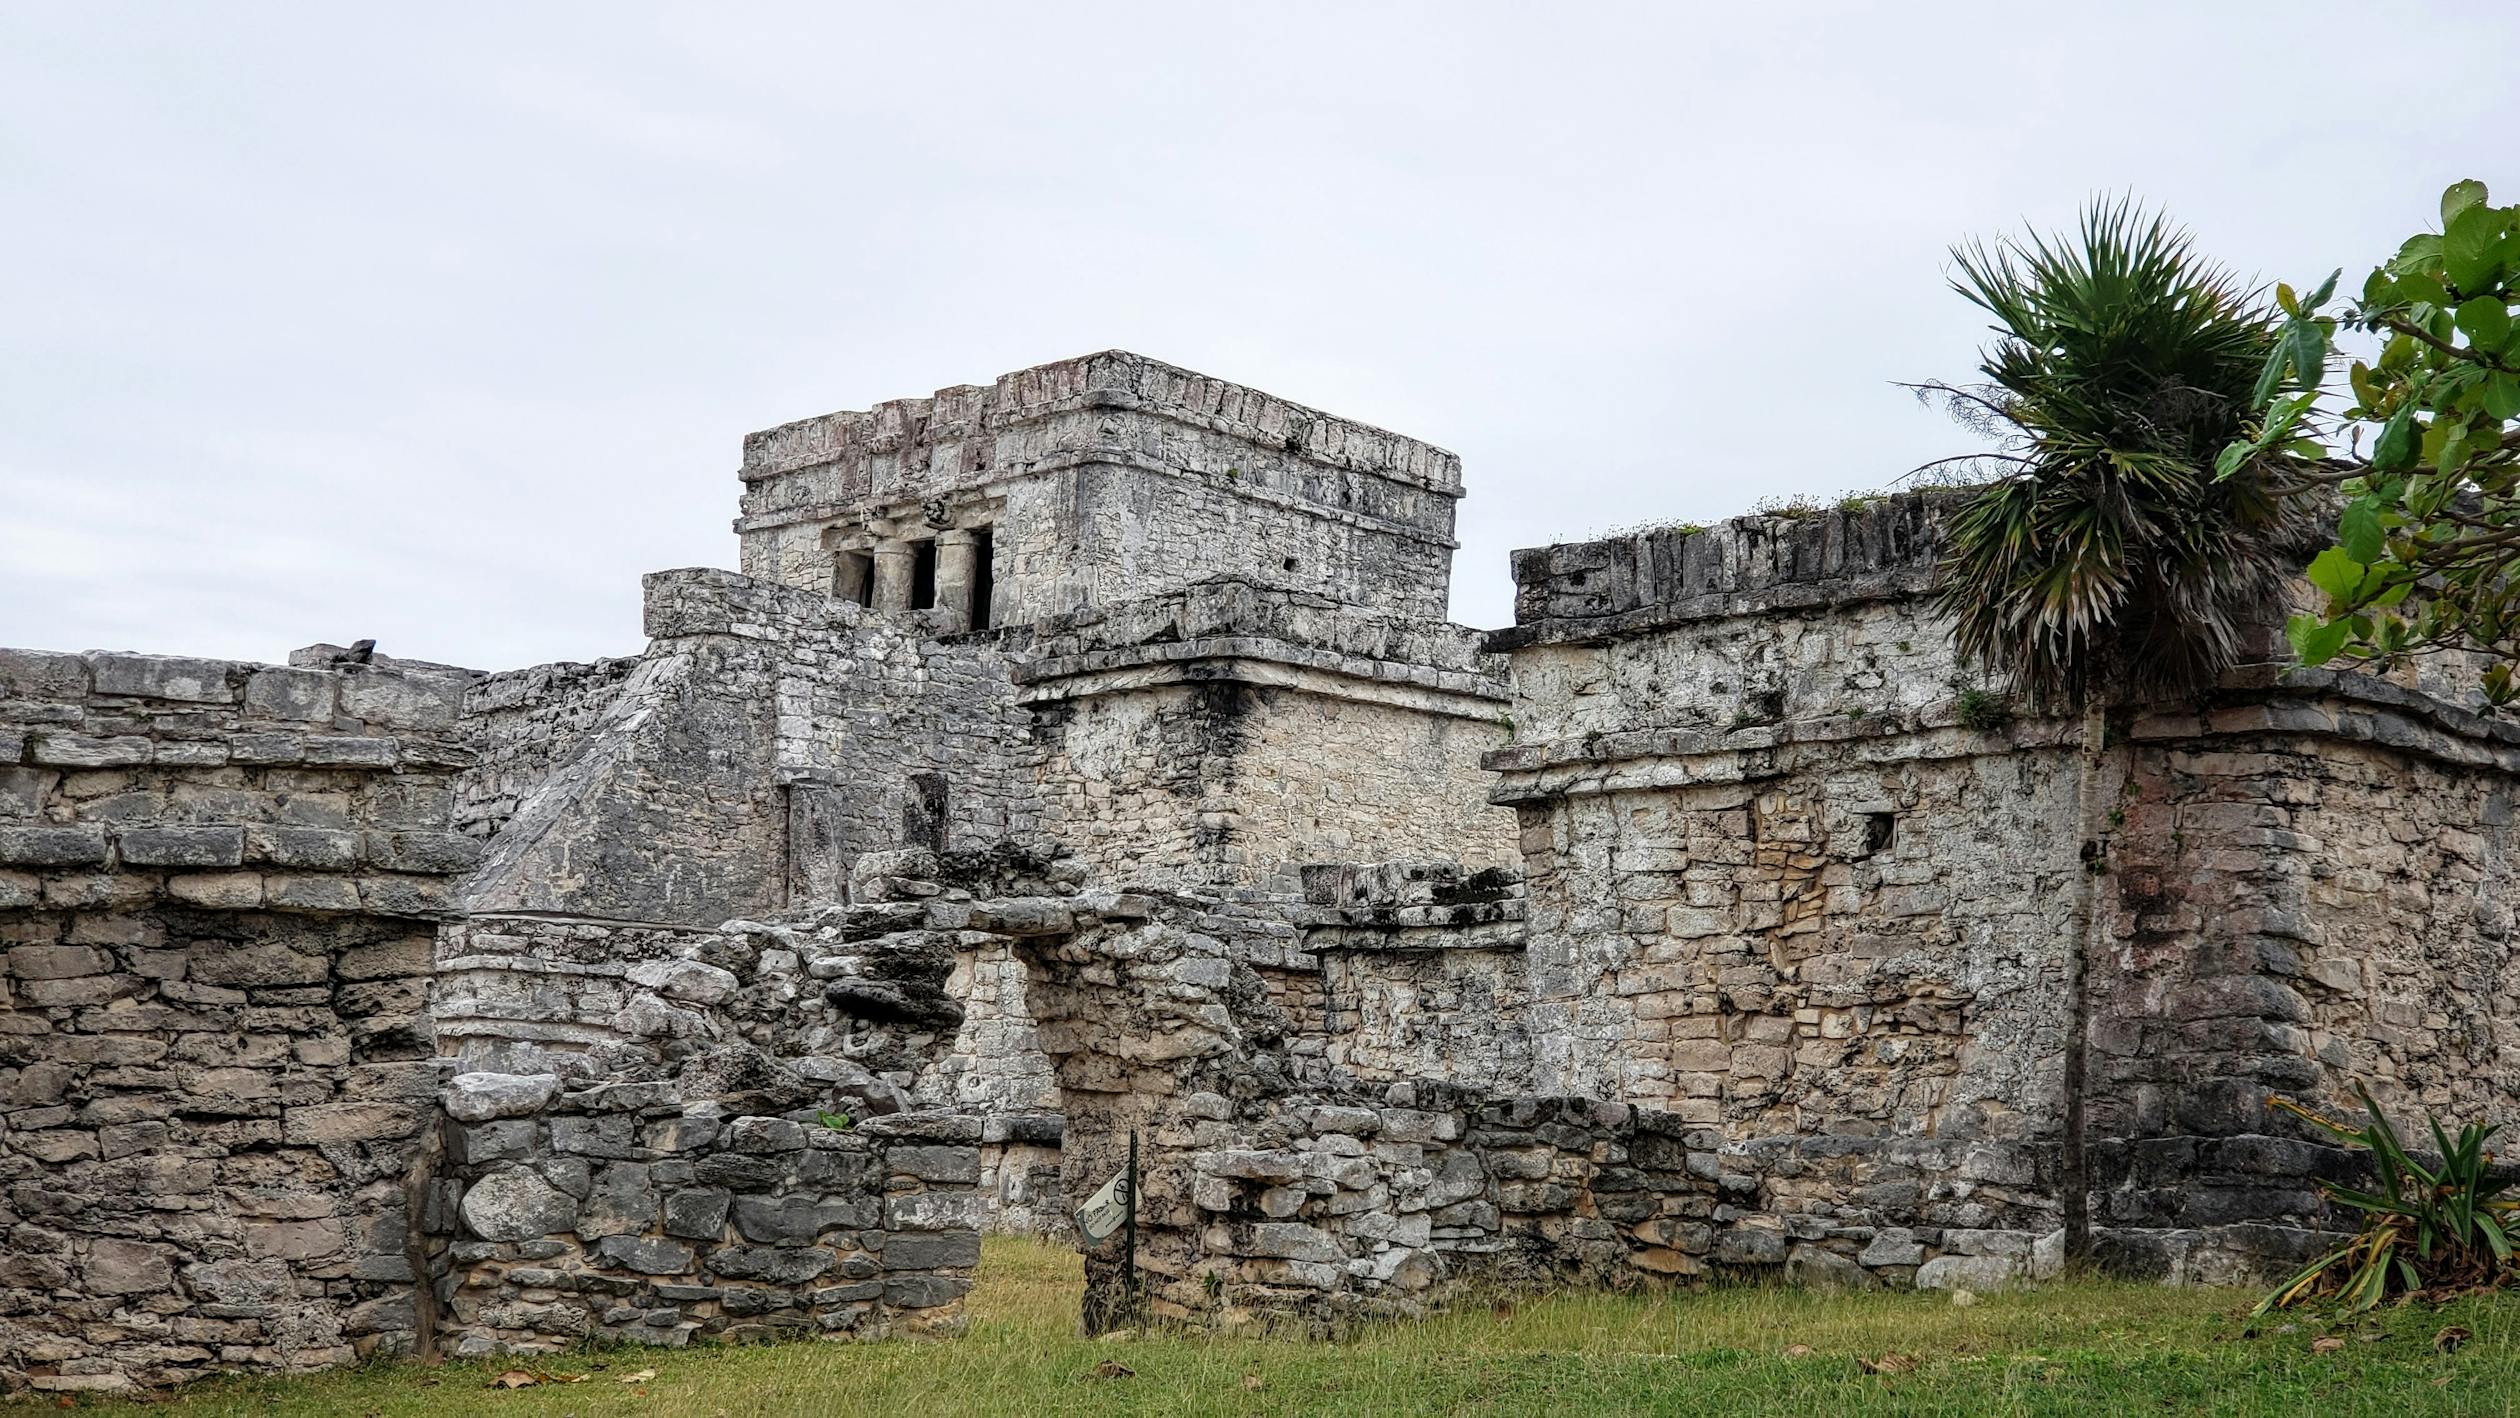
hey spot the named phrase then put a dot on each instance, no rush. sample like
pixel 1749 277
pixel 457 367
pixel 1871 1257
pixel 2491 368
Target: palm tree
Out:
pixel 2104 561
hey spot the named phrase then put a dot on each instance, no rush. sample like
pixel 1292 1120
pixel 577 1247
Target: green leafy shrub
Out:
pixel 837 1122
pixel 2435 1229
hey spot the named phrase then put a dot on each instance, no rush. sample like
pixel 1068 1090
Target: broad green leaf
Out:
pixel 2395 448
pixel 2309 351
pixel 2232 457
pixel 2454 451
pixel 2285 300
pixel 2326 288
pixel 2458 197
pixel 2486 321
pixel 2421 288
pixel 2421 252
pixel 2471 250
pixel 2337 573
pixel 2502 397
pixel 2397 354
pixel 2314 642
pixel 2358 532
pixel 2366 388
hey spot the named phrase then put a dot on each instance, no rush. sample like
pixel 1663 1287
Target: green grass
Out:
pixel 2082 1347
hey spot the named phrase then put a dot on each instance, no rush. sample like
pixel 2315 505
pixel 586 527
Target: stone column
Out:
pixel 893 560
pixel 954 565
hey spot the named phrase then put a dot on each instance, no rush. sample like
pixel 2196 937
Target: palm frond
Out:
pixel 2105 554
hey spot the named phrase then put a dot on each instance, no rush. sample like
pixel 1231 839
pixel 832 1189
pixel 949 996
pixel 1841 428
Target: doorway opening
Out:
pixel 983 576
pixel 923 575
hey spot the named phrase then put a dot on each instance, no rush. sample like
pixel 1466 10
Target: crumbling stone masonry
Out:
pixel 218 888
pixel 1081 755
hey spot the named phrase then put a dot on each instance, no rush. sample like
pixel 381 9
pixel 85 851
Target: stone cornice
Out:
pixel 1262 662
pixel 2321 704
pixel 1111 379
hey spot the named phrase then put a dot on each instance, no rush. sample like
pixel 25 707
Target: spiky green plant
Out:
pixel 2103 556
pixel 2441 1227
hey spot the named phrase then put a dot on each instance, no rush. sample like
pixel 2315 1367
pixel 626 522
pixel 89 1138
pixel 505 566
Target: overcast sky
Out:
pixel 441 324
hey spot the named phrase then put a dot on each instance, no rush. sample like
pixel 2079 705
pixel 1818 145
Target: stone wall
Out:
pixel 766 738
pixel 634 1204
pixel 218 884
pixel 1272 1198
pixel 1795 874
pixel 1420 974
pixel 1110 477
pixel 1218 738
pixel 526 723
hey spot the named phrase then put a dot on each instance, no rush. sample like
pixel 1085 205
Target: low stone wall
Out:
pixel 705 1203
pixel 1420 973
pixel 218 884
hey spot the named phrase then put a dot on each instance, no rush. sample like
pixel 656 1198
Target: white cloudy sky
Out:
pixel 441 324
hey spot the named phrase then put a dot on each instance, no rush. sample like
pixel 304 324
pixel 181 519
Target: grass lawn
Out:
pixel 2082 1347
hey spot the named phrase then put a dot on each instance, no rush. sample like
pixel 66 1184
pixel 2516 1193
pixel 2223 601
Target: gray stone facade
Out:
pixel 1080 756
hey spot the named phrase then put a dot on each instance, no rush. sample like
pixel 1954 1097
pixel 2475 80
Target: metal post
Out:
pixel 1128 1244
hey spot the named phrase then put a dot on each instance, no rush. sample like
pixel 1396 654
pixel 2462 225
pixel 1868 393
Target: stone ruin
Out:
pixel 1083 755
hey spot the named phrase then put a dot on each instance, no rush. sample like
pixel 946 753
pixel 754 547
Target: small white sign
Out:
pixel 1102 1216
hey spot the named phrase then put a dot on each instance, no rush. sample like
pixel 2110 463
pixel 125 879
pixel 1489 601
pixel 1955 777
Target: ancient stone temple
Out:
pixel 1083 756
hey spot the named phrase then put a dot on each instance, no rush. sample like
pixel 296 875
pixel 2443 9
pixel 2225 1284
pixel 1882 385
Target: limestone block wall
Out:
pixel 909 999
pixel 2313 892
pixel 525 723
pixel 1220 737
pixel 617 1204
pixel 1271 1198
pixel 1793 873
pixel 218 883
pixel 1420 974
pixel 1112 476
pixel 766 738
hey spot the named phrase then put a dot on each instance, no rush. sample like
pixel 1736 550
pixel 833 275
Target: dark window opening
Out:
pixel 853 578
pixel 1880 830
pixel 1290 563
pixel 983 576
pixel 923 575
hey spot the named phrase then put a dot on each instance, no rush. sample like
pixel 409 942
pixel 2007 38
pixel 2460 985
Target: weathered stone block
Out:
pixel 480 1097
pixel 646 1255
pixel 295 695
pixel 182 846
pixel 21 789
pixel 931 1250
pixel 53 846
pixel 42 676
pixel 781 1265
pixel 697 1213
pixel 163 677
pixel 924 1292
pixel 309 848
pixel 350 1122
pixel 517 1205
pixel 127 1268
pixel 395 700
pixel 935 1164
pixel 57 962
pixel 226 891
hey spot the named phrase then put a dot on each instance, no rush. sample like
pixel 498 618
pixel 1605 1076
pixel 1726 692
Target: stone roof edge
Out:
pixel 1105 379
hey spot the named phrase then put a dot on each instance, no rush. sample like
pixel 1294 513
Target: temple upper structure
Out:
pixel 1091 482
